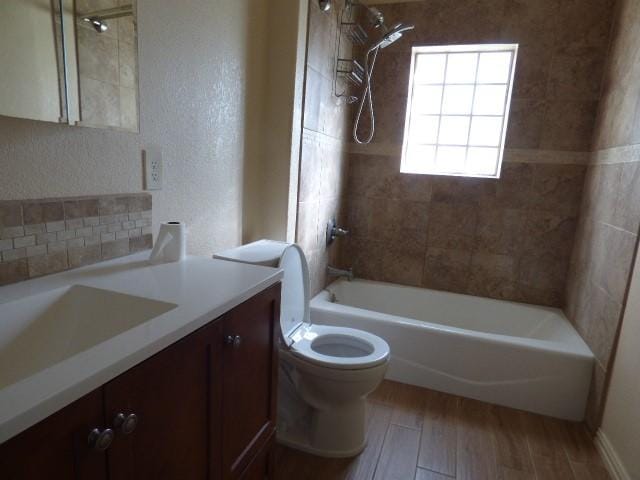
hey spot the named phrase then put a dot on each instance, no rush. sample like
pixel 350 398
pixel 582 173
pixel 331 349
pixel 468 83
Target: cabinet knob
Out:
pixel 234 340
pixel 125 424
pixel 100 440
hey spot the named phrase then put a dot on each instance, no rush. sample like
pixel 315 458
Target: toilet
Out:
pixel 326 372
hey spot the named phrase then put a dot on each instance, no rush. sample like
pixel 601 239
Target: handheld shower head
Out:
pixel 393 35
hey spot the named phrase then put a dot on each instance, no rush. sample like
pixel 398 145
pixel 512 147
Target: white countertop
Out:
pixel 202 288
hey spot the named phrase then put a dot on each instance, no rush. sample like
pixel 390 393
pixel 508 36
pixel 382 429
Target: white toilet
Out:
pixel 325 372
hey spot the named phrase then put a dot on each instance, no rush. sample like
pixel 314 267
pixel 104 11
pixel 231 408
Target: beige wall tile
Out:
pixel 526 119
pixel 97 56
pixel 447 269
pixel 568 125
pixel 116 248
pixel 140 242
pixel 42 212
pixel 14 271
pixel 64 241
pixel 47 264
pixel 84 255
pixel 100 102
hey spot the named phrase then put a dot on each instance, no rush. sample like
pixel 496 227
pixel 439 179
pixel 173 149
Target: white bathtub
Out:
pixel 511 354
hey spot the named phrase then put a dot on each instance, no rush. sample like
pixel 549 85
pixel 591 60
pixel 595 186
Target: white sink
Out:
pixel 39 331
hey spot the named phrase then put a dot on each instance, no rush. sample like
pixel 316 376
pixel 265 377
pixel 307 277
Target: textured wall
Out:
pixel 194 69
pixel 509 238
pixel 322 164
pixel 610 213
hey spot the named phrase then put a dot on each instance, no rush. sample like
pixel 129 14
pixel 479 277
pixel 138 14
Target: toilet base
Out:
pixel 338 433
pixel 298 442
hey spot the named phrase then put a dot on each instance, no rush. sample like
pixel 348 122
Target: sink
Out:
pixel 41 330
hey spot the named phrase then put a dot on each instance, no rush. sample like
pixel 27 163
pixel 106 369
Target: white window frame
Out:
pixel 447 49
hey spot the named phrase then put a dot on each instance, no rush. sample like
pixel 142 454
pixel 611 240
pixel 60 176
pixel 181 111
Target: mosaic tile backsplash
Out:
pixel 40 237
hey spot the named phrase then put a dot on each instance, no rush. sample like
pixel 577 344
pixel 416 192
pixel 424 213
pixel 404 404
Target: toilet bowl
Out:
pixel 326 372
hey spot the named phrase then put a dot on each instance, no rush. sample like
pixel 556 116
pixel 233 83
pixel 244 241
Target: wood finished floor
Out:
pixel 419 434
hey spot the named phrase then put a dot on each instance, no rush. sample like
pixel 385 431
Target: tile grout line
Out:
pixel 384 439
pixel 530 451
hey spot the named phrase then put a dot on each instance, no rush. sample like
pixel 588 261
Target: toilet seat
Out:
pixel 338 347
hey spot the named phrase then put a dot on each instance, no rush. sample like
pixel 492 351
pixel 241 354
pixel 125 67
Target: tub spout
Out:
pixel 336 272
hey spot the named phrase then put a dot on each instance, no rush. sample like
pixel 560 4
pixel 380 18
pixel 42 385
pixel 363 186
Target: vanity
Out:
pixel 180 383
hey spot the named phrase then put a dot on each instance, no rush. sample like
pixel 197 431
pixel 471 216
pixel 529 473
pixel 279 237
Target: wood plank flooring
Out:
pixel 419 434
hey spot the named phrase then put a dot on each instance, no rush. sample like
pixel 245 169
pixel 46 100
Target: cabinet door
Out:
pixel 250 367
pixel 58 447
pixel 176 398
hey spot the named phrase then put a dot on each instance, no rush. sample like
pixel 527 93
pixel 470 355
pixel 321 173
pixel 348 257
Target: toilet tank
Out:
pixel 294 308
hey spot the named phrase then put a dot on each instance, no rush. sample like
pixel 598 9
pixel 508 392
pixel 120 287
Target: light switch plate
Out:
pixel 152 169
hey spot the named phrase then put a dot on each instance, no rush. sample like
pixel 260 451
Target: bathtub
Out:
pixel 520 356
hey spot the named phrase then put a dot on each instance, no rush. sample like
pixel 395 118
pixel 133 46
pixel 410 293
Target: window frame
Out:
pixel 446 50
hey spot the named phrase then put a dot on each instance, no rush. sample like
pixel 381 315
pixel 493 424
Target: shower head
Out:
pixel 394 34
pixel 375 17
pixel 97 24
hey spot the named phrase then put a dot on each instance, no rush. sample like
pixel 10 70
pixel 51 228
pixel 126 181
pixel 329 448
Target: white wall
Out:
pixel 621 423
pixel 277 182
pixel 196 59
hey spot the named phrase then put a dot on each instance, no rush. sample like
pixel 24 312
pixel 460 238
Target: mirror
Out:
pixel 69 61
pixel 32 79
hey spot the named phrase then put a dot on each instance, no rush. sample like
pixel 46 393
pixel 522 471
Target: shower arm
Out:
pixel 108 14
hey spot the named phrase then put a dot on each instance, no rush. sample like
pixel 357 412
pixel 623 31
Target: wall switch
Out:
pixel 152 169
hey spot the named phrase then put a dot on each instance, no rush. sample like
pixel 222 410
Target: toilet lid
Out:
pixel 294 307
pixel 339 347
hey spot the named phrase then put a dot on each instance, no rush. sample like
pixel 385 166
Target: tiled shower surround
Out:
pixel 323 155
pixel 39 237
pixel 509 238
pixel 607 234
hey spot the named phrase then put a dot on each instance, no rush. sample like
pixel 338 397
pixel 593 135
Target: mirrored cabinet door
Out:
pixel 107 65
pixel 69 61
pixel 32 65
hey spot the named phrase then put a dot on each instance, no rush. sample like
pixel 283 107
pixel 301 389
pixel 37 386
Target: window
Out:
pixel 457 111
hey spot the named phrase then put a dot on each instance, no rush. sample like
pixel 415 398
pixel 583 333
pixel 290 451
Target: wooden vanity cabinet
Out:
pixel 249 386
pixel 57 447
pixel 203 408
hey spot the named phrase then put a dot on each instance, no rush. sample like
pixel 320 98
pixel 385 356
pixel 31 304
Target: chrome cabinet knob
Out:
pixel 100 440
pixel 125 424
pixel 234 340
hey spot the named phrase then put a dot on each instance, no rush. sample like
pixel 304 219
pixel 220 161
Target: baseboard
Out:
pixel 610 457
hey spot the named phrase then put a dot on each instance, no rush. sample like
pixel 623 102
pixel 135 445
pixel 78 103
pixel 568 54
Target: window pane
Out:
pixel 430 68
pixel 451 159
pixel 457 99
pixel 456 121
pixel 494 67
pixel 454 130
pixel 418 159
pixel 424 129
pixel 461 67
pixel 489 100
pixel 482 161
pixel 427 99
pixel 486 131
